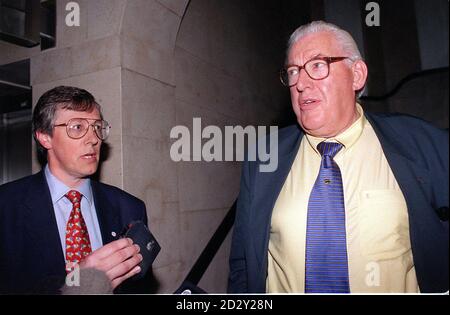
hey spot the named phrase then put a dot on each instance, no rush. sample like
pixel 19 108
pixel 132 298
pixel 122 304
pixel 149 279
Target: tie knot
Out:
pixel 74 196
pixel 329 148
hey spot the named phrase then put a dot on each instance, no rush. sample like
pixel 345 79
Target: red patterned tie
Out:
pixel 78 245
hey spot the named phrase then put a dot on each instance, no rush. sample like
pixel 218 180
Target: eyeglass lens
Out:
pixel 77 128
pixel 316 69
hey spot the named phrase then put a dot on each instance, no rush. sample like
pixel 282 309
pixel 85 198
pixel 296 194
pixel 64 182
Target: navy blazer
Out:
pixel 31 257
pixel 418 155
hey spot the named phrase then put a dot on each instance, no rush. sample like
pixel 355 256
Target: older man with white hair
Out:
pixel 359 202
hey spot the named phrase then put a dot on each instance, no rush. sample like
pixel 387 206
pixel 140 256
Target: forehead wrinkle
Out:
pixel 316 56
pixel 68 114
pixel 303 57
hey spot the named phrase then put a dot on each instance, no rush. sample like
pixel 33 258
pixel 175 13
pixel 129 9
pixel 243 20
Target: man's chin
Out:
pixel 90 171
pixel 318 133
pixel 311 128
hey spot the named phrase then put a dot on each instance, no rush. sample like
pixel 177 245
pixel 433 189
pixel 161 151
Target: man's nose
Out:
pixel 91 136
pixel 304 81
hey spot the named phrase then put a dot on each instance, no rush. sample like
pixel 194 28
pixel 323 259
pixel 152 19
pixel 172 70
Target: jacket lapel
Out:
pixel 267 189
pixel 411 175
pixel 107 213
pixel 415 182
pixel 40 223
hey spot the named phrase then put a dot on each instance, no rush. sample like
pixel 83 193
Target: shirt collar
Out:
pixel 347 138
pixel 58 189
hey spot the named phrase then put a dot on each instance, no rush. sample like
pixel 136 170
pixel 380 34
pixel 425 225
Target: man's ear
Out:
pixel 44 139
pixel 360 71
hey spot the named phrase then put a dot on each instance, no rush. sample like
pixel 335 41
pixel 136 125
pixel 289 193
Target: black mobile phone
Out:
pixel 141 235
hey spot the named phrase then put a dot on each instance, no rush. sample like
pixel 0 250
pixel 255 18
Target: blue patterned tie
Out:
pixel 326 249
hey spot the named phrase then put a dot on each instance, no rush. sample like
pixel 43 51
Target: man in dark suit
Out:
pixel 59 220
pixel 359 202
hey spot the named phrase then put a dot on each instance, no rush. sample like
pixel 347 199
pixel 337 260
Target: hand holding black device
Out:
pixel 150 248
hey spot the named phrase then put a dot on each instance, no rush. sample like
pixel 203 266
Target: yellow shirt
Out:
pixel 378 243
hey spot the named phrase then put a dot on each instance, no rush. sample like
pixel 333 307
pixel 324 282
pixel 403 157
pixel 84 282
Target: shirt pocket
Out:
pixel 384 225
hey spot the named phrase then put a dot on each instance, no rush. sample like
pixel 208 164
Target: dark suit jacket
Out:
pixel 31 258
pixel 418 155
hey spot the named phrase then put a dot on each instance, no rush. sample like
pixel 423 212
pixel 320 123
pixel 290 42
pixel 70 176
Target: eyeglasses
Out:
pixel 77 128
pixel 317 69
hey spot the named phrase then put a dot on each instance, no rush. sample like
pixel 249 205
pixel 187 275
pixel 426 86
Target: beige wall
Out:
pixel 225 74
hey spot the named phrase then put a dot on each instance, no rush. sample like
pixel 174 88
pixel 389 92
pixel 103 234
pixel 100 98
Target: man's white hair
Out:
pixel 343 38
pixel 346 41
